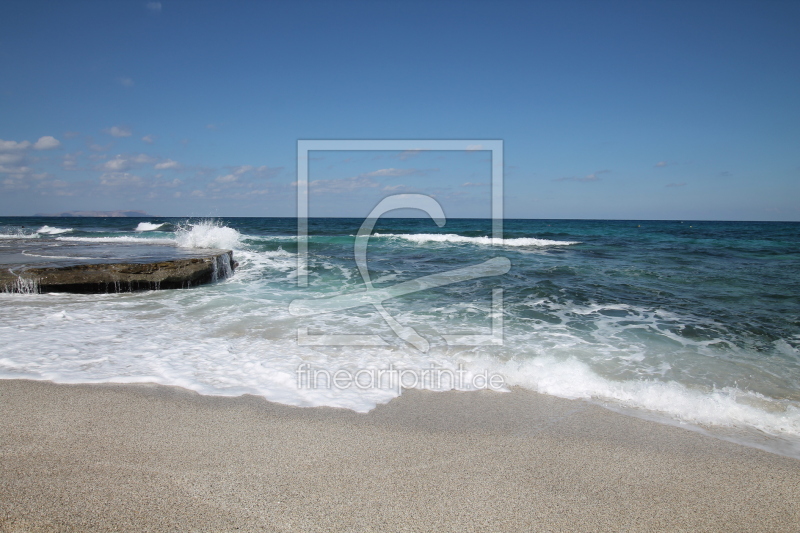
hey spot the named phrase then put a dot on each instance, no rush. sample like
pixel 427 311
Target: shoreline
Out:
pixel 142 457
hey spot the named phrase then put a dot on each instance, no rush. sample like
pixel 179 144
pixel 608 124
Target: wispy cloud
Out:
pixel 149 139
pixel 118 131
pixel 475 184
pixel 390 172
pixel 122 162
pixel 117 164
pixel 408 154
pixel 15 163
pixel 400 188
pixel 474 147
pixel 249 172
pixel 70 161
pixel 337 186
pixel 117 179
pixel 125 81
pixel 169 163
pixel 47 142
pixel 154 7
pixel 660 164
pixel 366 180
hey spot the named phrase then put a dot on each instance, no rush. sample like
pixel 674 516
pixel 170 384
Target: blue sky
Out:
pixel 621 110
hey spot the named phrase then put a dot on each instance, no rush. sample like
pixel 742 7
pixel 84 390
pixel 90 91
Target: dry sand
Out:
pixel 152 458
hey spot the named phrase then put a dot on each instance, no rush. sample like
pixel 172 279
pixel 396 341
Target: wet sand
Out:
pixel 153 458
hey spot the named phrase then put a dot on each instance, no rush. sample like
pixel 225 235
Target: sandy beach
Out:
pixel 154 458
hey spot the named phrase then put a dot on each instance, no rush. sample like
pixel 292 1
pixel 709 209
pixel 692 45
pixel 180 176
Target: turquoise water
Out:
pixel 690 322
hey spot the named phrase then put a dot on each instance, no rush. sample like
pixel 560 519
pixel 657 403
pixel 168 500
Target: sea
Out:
pixel 691 323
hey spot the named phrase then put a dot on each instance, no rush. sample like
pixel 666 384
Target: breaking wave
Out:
pixel 460 239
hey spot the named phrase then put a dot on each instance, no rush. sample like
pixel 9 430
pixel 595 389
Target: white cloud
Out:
pixel 661 164
pixel 47 143
pixel 11 159
pixel 238 171
pixel 155 7
pixel 471 184
pixel 13 146
pixel 122 162
pixel 70 134
pixel 117 164
pixel 16 172
pixel 474 147
pixel 197 194
pixel 118 131
pixel 125 82
pixel 169 163
pixel 149 139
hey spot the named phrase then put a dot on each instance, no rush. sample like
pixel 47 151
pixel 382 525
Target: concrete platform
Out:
pixel 39 265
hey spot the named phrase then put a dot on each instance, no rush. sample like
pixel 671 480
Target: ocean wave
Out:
pixel 49 230
pixel 726 406
pixel 207 234
pixel 19 234
pixel 460 239
pixel 149 226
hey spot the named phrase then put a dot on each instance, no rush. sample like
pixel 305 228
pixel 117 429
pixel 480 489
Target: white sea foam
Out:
pixel 727 406
pixel 18 234
pixel 225 341
pixel 149 226
pixel 207 234
pixel 48 230
pixel 460 239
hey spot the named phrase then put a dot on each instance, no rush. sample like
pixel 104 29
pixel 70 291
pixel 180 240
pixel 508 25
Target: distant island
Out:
pixel 94 214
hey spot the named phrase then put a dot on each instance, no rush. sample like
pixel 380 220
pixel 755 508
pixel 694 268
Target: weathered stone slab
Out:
pixel 97 270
